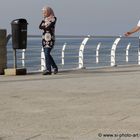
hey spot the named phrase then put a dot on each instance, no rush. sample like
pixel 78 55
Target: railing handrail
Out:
pixel 80 36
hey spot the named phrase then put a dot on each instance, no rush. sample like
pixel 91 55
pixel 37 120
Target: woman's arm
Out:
pixel 135 29
pixel 48 25
pixel 42 25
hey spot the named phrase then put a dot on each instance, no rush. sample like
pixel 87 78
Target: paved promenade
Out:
pixel 94 104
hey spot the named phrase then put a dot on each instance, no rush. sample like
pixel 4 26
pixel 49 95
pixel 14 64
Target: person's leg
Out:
pixel 48 61
pixel 53 64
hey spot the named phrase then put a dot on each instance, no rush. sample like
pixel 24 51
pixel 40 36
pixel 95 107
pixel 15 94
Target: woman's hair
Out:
pixel 49 10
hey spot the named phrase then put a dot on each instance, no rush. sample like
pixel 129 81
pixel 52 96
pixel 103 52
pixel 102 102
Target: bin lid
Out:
pixel 19 21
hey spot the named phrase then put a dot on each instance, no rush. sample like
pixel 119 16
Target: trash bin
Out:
pixel 19 33
pixel 3 50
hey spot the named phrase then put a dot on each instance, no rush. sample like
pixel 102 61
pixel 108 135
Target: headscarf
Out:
pixel 50 12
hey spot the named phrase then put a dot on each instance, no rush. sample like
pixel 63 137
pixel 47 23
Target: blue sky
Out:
pixel 75 17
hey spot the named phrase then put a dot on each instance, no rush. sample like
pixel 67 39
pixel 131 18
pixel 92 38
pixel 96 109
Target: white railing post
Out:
pixel 81 52
pixel 138 57
pixel 23 57
pixel 113 50
pixel 97 52
pixel 139 53
pixel 63 54
pixel 127 52
pixel 43 63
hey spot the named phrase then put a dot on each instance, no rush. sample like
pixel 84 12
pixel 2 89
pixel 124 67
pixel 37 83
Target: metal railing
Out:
pixel 78 60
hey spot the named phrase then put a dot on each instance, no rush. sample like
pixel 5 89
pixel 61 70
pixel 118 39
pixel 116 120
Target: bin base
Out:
pixel 15 71
pixel 1 71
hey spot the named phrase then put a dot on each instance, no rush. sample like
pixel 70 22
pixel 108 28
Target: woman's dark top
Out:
pixel 48 36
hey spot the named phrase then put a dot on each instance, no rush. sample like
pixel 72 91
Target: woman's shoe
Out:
pixel 55 70
pixel 45 72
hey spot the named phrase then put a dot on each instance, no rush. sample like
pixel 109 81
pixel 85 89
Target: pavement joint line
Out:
pixel 111 114
pixel 125 118
pixel 136 105
pixel 88 132
pixel 33 137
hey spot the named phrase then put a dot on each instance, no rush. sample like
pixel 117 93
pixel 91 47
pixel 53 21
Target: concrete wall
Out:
pixel 3 51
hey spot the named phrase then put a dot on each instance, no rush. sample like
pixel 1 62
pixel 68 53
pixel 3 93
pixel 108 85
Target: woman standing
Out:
pixel 48 38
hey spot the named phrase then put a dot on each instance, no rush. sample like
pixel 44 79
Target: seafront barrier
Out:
pixel 72 52
pixel 3 51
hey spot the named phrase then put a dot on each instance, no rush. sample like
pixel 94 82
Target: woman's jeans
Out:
pixel 49 60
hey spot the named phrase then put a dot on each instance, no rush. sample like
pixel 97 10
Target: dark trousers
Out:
pixel 49 60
